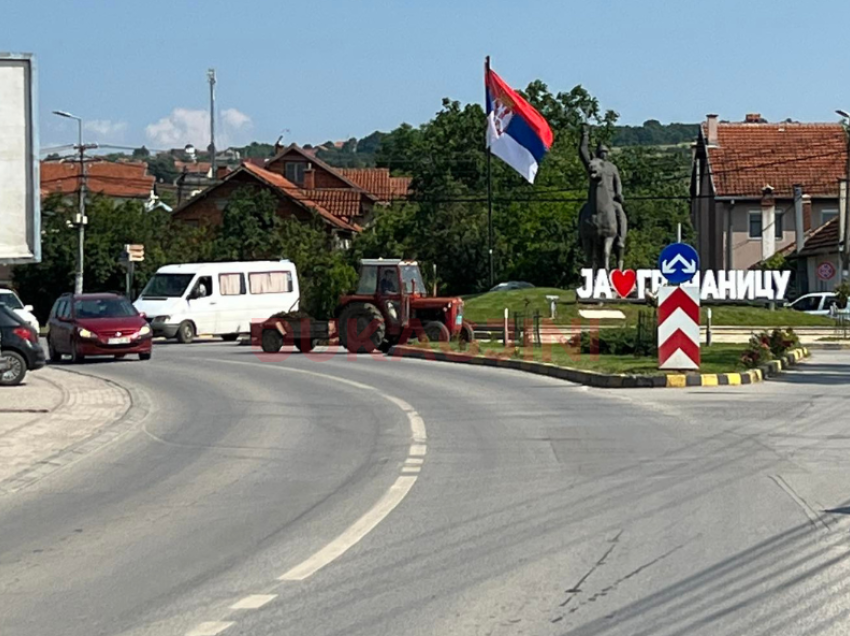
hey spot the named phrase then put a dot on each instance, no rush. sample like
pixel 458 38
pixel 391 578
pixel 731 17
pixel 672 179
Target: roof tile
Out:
pixel 750 156
pixel 125 180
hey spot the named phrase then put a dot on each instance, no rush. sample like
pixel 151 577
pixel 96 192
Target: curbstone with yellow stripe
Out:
pixel 607 380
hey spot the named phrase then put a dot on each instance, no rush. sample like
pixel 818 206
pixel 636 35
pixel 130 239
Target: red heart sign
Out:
pixel 623 281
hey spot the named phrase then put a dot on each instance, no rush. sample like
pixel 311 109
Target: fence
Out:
pixel 526 330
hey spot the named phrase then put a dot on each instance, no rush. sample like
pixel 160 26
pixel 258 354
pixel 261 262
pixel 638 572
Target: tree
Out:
pixel 249 226
pixel 162 167
pixel 141 153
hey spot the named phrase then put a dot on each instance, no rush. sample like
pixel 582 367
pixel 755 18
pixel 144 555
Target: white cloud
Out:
pixel 187 126
pixel 106 129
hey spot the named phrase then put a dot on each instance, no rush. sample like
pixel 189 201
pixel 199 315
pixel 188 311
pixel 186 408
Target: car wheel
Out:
pixel 17 371
pixel 185 332
pixel 76 357
pixel 145 356
pixel 54 355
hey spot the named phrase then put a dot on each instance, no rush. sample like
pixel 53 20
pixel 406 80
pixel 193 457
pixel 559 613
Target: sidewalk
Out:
pixel 47 416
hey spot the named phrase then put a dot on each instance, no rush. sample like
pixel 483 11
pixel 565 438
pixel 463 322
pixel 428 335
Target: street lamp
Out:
pixel 81 220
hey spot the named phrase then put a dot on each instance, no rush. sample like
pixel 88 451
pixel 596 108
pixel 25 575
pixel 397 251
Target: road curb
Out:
pixel 607 380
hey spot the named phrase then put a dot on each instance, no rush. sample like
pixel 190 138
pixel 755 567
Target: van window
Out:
pixel 231 284
pixel 270 282
pixel 206 281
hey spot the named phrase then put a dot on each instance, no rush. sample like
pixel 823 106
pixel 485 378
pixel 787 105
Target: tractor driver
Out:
pixel 388 282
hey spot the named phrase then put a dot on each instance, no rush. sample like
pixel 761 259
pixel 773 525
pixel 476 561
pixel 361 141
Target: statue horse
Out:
pixel 601 223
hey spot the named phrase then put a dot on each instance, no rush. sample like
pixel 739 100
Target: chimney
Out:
pixel 807 212
pixel 753 118
pixel 711 121
pixel 309 177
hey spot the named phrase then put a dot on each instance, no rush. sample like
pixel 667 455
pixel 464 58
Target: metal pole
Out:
pixel 845 260
pixel 81 225
pixel 679 233
pixel 489 183
pixel 211 77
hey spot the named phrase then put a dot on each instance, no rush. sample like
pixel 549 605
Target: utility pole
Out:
pixel 211 78
pixel 81 220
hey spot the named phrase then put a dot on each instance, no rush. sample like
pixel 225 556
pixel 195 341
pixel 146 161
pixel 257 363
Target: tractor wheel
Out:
pixel 361 328
pixel 467 335
pixel 271 341
pixel 386 345
pixel 436 331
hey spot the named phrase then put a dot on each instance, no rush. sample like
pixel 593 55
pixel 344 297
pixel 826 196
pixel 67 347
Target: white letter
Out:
pixel 657 281
pixel 746 284
pixel 709 286
pixel 780 282
pixel 602 288
pixel 764 285
pixel 586 291
pixel 642 276
pixel 726 285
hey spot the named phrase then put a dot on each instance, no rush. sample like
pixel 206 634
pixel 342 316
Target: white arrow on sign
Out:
pixel 688 267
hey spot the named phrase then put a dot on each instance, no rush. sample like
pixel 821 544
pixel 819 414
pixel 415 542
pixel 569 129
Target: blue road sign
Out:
pixel 678 262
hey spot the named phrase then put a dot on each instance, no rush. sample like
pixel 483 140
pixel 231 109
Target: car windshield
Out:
pixel 104 308
pixel 11 301
pixel 412 279
pixel 167 286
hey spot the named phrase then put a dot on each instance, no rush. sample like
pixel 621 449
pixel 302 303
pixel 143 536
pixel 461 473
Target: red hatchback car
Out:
pixel 83 325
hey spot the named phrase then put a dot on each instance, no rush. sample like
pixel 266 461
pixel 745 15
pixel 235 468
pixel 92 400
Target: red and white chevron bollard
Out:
pixel 678 328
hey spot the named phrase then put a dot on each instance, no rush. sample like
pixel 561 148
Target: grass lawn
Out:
pixel 719 358
pixel 490 306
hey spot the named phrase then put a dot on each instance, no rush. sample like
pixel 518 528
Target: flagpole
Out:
pixel 489 179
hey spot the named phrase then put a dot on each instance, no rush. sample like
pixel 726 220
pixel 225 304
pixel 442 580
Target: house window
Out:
pixel 755 225
pixel 777 225
pixel 295 171
pixel 827 215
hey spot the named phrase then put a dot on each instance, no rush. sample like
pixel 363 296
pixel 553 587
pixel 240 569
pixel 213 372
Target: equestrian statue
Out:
pixel 602 221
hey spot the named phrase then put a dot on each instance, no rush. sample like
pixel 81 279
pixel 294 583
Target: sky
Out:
pixel 321 70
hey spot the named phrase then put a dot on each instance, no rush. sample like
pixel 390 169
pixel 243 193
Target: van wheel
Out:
pixel 17 370
pixel 185 332
pixel 229 337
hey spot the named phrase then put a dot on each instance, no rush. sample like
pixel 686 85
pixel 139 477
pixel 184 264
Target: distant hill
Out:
pixel 654 133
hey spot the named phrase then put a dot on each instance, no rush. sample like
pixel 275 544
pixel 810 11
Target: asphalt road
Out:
pixel 290 495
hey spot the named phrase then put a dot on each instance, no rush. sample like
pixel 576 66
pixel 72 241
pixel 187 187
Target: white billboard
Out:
pixel 20 209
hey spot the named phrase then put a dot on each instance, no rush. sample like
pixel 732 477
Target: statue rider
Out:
pixel 610 178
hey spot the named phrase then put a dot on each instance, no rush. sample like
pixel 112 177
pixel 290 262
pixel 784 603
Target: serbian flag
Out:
pixel 516 133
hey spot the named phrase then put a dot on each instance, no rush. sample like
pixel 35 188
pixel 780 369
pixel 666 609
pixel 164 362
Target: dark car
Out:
pixel 20 348
pixel 512 284
pixel 83 325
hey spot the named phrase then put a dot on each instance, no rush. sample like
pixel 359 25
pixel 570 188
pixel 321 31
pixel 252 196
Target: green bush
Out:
pixel 842 293
pixel 766 346
pixel 618 342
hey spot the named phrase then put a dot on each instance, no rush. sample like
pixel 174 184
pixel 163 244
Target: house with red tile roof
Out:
pixel 304 185
pixel 742 187
pixel 119 180
pixel 340 214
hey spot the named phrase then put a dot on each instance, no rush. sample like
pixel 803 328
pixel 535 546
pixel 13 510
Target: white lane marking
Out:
pixel 417 425
pixel 410 469
pixel 385 505
pixel 254 601
pixel 210 628
pixel 414 460
pixel 359 529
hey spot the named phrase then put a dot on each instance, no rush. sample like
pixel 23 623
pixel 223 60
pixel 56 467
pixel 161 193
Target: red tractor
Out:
pixel 390 306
